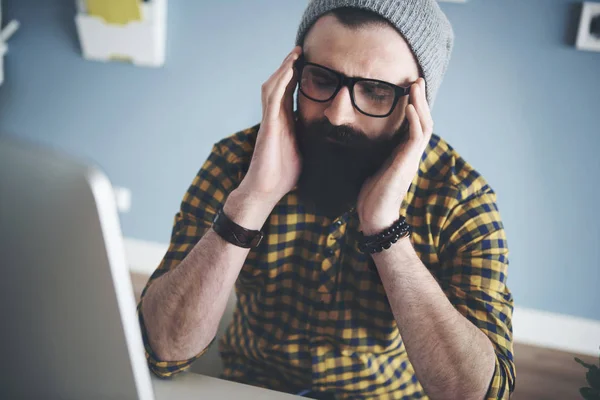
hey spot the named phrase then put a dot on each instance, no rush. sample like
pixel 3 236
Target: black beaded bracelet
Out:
pixel 384 240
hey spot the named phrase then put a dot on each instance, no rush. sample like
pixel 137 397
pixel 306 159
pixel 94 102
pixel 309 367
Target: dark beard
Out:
pixel 334 173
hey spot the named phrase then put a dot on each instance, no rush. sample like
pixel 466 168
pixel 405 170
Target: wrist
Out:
pixel 248 210
pixel 375 227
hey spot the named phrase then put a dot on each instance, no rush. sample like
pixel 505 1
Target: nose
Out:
pixel 340 110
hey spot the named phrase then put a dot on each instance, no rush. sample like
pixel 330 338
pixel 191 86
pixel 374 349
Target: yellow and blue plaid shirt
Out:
pixel 312 311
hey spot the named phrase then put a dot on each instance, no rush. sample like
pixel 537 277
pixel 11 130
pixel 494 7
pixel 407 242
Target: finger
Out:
pixel 416 101
pixel 275 98
pixel 426 108
pixel 295 52
pixel 291 87
pixel 415 131
pixel 420 102
pixel 289 60
pixel 284 80
pixel 268 87
pixel 288 97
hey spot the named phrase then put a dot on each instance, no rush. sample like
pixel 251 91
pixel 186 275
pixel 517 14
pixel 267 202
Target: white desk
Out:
pixel 188 386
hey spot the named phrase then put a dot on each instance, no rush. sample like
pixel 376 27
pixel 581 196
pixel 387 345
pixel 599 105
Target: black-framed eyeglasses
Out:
pixel 371 97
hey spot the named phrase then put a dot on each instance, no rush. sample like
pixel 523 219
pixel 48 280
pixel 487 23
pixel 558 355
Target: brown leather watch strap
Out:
pixel 235 234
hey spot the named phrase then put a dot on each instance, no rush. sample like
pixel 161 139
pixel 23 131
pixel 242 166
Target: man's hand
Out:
pixel 382 194
pixel 276 164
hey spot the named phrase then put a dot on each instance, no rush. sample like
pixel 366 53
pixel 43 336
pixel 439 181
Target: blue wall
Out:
pixel 519 103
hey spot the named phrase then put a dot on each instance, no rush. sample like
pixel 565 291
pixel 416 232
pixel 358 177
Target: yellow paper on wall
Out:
pixel 115 11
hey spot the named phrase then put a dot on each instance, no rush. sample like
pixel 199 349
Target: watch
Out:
pixel 235 234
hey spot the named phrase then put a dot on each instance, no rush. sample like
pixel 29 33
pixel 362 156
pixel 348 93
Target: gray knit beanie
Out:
pixel 422 23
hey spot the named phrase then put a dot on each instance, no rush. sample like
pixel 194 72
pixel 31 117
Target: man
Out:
pixel 368 257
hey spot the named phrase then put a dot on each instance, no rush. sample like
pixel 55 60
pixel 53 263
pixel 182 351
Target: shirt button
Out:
pixel 329 252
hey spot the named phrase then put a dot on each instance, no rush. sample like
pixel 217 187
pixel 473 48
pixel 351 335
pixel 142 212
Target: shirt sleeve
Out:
pixel 474 263
pixel 203 199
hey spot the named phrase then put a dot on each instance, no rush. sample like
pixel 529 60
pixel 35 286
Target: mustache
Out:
pixel 323 131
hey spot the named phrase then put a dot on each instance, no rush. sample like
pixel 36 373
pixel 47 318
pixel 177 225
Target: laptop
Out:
pixel 69 324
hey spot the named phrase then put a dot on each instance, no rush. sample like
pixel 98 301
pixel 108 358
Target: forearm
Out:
pixel 182 309
pixel 452 358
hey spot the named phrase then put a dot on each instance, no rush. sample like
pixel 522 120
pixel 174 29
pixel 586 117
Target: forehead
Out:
pixel 376 52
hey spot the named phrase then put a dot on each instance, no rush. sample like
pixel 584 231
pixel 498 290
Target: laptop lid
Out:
pixel 69 326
